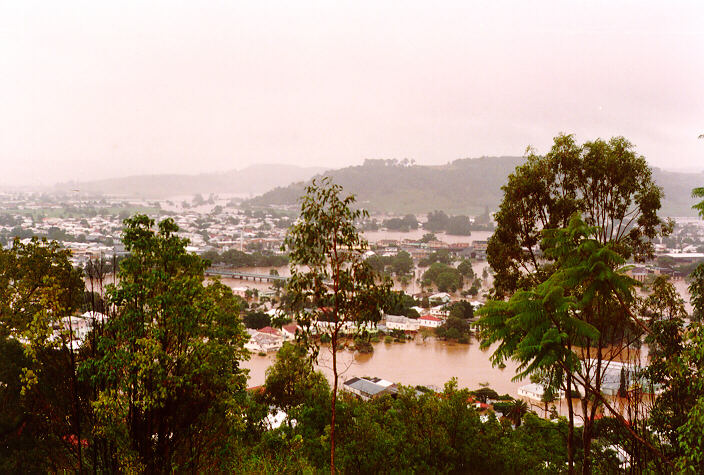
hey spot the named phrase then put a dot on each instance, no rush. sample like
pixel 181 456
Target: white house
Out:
pixel 289 331
pixel 263 342
pixel 345 328
pixel 439 311
pixel 611 377
pixel 271 331
pixel 535 391
pixel 241 291
pixel 399 322
pixel 440 298
pixel 429 321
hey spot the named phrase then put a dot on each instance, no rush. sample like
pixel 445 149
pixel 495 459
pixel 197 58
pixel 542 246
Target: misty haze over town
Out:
pixel 355 237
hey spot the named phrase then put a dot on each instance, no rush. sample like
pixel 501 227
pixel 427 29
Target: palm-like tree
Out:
pixel 518 409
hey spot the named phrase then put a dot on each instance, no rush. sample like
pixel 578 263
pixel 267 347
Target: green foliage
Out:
pixel 584 302
pixel 465 268
pixel 664 301
pixel 326 241
pixel 699 207
pixel 437 221
pixel 466 186
pixel 169 358
pixel 462 310
pixel 441 433
pixel 362 344
pixel 290 380
pixel 454 329
pixel 442 256
pixel 36 422
pixel 38 287
pixel 445 277
pixel 536 327
pixel 675 354
pixel 696 292
pixel 400 303
pixel 455 225
pixel 607 182
pixel 401 264
pixel 517 411
pixel 690 434
pixel 256 320
pixel 235 258
pixel 404 224
pixel 428 237
pixel 330 281
pixel 484 394
pixel 459 226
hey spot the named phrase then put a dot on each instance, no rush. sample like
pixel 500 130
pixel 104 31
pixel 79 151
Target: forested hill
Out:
pixel 247 181
pixel 464 186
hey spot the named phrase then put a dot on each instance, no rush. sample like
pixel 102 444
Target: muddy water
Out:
pixel 373 236
pixel 429 363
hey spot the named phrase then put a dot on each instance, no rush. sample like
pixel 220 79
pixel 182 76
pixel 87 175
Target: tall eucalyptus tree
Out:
pixel 332 289
pixel 610 192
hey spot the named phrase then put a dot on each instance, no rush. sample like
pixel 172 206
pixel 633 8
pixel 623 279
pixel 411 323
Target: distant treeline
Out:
pixel 405 224
pixel 465 186
pixel 235 258
pixel 400 264
pixel 459 225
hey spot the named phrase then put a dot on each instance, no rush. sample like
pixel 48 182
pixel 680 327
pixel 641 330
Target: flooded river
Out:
pixel 429 363
pixel 373 236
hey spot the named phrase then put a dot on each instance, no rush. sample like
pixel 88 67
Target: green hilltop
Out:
pixel 466 186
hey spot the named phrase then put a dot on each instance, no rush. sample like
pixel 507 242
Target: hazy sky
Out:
pixel 96 89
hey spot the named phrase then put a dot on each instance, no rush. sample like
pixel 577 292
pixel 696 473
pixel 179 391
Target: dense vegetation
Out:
pixel 466 186
pixel 235 258
pixel 405 224
pixel 463 186
pixel 565 310
pixel 445 277
pixel 399 264
pixel 157 387
pixel 459 225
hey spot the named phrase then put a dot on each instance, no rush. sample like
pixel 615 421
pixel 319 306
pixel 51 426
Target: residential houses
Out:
pixel 399 322
pixel 535 391
pixel 368 388
pixel 429 321
pixel 263 342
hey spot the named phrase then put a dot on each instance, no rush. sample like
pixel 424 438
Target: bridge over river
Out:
pixel 234 274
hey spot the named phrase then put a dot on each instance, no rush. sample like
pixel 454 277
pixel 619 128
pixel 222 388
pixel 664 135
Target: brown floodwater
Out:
pixel 373 236
pixel 429 363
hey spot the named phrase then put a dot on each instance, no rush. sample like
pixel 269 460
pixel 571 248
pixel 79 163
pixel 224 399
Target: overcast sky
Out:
pixel 97 89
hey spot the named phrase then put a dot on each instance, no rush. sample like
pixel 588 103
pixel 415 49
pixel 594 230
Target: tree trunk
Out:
pixel 333 340
pixel 76 399
pixel 570 428
pixel 586 437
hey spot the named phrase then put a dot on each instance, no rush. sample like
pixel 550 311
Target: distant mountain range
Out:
pixel 252 180
pixel 467 186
